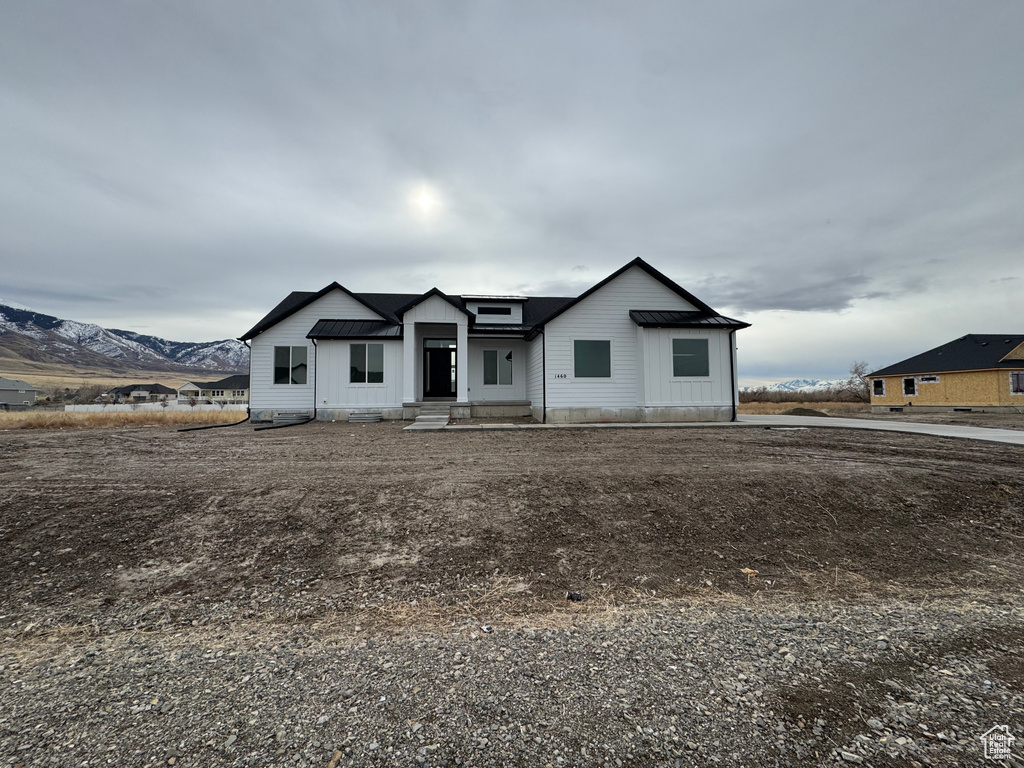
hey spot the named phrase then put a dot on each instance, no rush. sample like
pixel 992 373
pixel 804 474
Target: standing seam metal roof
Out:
pixel 646 318
pixel 350 329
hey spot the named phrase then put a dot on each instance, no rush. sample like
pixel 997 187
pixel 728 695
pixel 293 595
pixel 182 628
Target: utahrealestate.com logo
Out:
pixel 997 741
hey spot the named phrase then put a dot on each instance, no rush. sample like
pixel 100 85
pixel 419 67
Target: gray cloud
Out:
pixel 198 161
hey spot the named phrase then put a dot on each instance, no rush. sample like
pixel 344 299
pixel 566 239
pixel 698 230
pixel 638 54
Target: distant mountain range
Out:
pixel 40 338
pixel 800 385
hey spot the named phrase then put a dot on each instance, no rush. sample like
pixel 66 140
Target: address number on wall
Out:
pixel 561 375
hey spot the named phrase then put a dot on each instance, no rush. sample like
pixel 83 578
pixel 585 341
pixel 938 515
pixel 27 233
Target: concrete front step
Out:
pixel 425 426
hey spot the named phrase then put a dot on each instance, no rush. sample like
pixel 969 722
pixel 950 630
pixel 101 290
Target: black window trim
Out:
pixel 366 364
pixel 291 366
pixel 707 357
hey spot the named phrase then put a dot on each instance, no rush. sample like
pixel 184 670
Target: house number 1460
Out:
pixel 561 375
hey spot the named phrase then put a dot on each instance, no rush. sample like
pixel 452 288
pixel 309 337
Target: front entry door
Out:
pixel 439 371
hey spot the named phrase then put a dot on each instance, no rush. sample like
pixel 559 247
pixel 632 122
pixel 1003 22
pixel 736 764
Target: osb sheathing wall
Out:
pixel 966 388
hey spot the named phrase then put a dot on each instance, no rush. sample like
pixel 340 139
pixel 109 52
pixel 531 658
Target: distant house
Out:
pixel 140 393
pixel 977 372
pixel 634 347
pixel 233 389
pixel 16 395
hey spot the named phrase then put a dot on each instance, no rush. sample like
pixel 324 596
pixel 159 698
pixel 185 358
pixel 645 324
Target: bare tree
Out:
pixel 858 386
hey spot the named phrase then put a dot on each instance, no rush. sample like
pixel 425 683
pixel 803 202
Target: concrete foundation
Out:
pixel 264 415
pixel 947 409
pixel 641 414
pixel 410 411
pixel 499 410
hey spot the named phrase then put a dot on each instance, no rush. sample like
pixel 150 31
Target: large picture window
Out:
pixel 366 363
pixel 592 359
pixel 690 357
pixel 290 364
pixel 1017 383
pixel 498 367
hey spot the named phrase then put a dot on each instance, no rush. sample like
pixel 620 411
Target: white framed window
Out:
pixel 1017 382
pixel 929 379
pixel 290 365
pixel 690 358
pixel 497 367
pixel 910 386
pixel 878 387
pixel 217 393
pixel 238 393
pixel 592 358
pixel 366 363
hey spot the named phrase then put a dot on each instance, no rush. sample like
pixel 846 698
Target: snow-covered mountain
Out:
pixel 801 385
pixel 47 339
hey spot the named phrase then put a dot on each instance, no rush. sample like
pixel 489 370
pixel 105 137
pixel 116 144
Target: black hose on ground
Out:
pixel 282 426
pixel 216 426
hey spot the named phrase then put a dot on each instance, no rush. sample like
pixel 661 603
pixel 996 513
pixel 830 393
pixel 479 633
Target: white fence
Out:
pixel 170 407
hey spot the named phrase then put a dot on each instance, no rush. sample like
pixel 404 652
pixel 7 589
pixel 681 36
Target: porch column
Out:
pixel 409 362
pixel 462 361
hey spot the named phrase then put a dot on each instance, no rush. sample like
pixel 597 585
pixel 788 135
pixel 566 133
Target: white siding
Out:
pixel 662 388
pixel 291 331
pixel 434 310
pixel 333 389
pixel 604 315
pixel 477 391
pixel 515 318
pixel 535 371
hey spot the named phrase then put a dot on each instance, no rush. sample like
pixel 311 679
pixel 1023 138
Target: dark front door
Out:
pixel 439 372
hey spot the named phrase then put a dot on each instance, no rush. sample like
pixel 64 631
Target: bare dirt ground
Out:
pixel 377 552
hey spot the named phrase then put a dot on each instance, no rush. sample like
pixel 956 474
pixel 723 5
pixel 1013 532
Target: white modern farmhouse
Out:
pixel 635 347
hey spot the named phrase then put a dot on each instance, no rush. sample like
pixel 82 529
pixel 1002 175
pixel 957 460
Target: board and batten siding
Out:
pixel 333 388
pixel 661 388
pixel 604 315
pixel 478 392
pixel 263 393
pixel 535 375
pixel 434 310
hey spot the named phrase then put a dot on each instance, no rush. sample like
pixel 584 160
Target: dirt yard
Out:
pixel 362 531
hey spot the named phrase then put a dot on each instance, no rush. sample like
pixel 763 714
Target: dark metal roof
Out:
pixel 388 304
pixel 156 389
pixel 637 262
pixel 647 318
pixel 537 310
pixel 295 301
pixel 354 329
pixel 454 301
pixel 973 352
pixel 486 328
pixel 238 381
pixel 15 384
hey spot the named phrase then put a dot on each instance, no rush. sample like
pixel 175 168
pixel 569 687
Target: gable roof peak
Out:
pixel 641 264
pixel 435 291
pixel 297 300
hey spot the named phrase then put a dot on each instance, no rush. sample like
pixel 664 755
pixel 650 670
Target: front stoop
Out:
pixel 431 418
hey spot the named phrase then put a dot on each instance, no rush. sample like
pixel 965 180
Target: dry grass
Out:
pixel 71 420
pixel 60 378
pixel 832 408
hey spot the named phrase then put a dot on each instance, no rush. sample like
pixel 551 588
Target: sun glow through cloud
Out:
pixel 425 202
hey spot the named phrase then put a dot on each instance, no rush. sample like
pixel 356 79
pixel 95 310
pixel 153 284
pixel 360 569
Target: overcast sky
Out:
pixel 848 177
